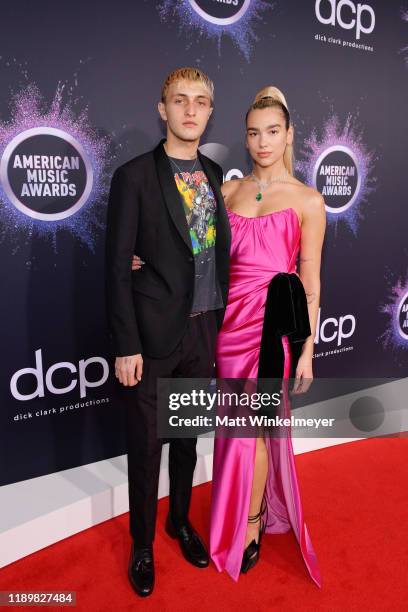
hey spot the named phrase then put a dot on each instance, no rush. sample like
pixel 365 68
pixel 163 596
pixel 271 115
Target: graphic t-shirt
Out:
pixel 200 207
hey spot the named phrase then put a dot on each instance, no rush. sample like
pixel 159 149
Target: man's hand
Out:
pixel 137 263
pixel 128 370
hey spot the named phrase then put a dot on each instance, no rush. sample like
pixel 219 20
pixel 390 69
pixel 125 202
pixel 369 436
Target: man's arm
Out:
pixel 122 225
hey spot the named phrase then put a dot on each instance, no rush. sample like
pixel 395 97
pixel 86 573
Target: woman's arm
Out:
pixel 313 229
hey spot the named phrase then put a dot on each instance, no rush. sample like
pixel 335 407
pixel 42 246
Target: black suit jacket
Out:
pixel 148 309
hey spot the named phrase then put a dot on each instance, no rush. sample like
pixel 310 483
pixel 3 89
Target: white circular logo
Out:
pixel 46 174
pixel 215 151
pixel 337 176
pixel 221 12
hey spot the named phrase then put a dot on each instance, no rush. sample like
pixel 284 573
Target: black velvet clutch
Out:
pixel 286 314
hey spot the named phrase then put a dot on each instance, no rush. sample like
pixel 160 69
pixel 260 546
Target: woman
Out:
pixel 274 219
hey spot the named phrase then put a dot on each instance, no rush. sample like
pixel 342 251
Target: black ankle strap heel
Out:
pixel 251 553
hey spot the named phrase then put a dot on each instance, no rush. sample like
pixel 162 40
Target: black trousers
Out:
pixel 193 358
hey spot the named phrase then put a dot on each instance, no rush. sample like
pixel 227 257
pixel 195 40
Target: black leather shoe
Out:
pixel 191 544
pixel 141 570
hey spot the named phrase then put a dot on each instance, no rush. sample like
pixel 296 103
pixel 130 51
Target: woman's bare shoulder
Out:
pixel 230 187
pixel 309 198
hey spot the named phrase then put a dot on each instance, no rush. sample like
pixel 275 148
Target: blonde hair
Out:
pixel 271 92
pixel 189 74
pixel 269 97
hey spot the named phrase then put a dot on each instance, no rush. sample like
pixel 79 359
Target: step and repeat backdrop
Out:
pixel 79 87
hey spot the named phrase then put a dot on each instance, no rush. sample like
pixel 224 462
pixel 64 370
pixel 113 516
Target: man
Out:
pixel 166 206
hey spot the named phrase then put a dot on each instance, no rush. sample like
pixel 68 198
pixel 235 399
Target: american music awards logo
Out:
pixel 46 173
pixel 340 167
pixel 225 12
pixel 215 18
pixel 396 308
pixel 52 166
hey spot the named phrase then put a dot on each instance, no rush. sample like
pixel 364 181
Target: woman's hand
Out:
pixel 137 263
pixel 303 375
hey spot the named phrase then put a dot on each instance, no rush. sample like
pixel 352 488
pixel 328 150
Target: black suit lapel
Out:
pixel 171 194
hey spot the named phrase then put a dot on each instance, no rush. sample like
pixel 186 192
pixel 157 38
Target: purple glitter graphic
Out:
pixel 241 32
pixel 28 110
pixel 393 337
pixel 349 136
pixel 404 50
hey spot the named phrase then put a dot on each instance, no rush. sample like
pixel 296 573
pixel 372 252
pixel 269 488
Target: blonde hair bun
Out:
pixel 272 92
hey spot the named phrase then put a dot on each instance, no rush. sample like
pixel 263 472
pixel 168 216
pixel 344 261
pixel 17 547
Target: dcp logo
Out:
pixel 221 12
pixel 337 176
pixel 37 373
pixel 332 329
pixel 46 174
pixel 347 15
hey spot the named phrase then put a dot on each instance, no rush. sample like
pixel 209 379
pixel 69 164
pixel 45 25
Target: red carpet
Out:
pixel 356 506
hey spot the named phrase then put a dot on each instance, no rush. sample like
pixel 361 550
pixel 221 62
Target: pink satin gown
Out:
pixel 260 248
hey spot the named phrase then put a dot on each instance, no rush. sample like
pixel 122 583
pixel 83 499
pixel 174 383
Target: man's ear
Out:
pixel 162 111
pixel 211 110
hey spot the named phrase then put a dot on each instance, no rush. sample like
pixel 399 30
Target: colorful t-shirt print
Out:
pixel 200 207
